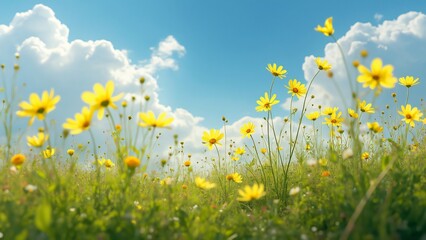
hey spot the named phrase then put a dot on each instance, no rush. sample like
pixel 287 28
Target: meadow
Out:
pixel 325 172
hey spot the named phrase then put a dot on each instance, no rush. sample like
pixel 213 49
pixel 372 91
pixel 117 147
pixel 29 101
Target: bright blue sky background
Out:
pixel 228 43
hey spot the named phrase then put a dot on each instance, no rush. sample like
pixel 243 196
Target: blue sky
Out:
pixel 228 43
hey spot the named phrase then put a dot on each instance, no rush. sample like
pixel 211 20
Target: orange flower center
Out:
pixel 295 90
pixel 212 141
pixel 275 73
pixel 333 121
pixel 376 77
pixel 267 105
pixel 86 124
pixel 248 130
pixel 408 116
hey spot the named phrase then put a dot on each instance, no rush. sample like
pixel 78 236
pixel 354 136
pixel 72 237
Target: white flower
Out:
pixel 294 191
pixel 347 153
pixel 30 188
pixel 311 162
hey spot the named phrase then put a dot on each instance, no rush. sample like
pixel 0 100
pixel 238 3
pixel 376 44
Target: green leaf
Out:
pixel 43 217
pixel 41 174
pixel 22 236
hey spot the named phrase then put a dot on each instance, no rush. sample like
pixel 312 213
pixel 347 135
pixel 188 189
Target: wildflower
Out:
pixel 101 98
pixel 329 111
pixel 251 193
pixel 322 162
pixel 265 104
pixel 108 163
pixel 240 151
pixel 247 129
pixel 294 191
pixel 364 107
pixel 410 114
pixel 328 29
pixel 101 161
pixel 30 188
pixel 347 153
pixel 375 127
pixel 132 162
pixel 38 140
pixel 325 173
pixel 236 177
pixel 352 113
pixel 379 76
pixel 277 72
pixel 212 138
pixel 38 107
pixel 424 120
pixel 124 104
pixel 322 64
pixel 308 147
pixel 48 153
pixel 263 150
pixel 81 122
pixel 184 186
pixel 18 159
pixel 187 163
pixel 296 88
pixel 408 81
pixel 70 151
pixel 355 63
pixel 166 181
pixel 364 53
pixel 148 120
pixel 204 184
pixel 365 156
pixel 313 115
pixel 334 120
pixel 235 158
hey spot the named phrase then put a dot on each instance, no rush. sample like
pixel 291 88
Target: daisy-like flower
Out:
pixel 334 120
pixel 325 173
pixel 364 107
pixel 322 64
pixel 329 110
pixel 410 114
pixel 101 98
pixel 379 76
pixel 294 191
pixel 352 113
pixel 236 177
pixel 38 107
pixel 265 104
pixel 313 115
pixel 148 120
pixel 212 138
pixel 296 88
pixel 240 151
pixel 81 122
pixel 375 127
pixel 38 140
pixel 18 159
pixel 251 193
pixel 204 184
pixel 277 72
pixel 408 81
pixel 132 162
pixel 247 129
pixel 328 29
pixel 187 163
pixel 48 153
pixel 365 156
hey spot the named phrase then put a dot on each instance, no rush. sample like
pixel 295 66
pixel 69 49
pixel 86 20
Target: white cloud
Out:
pixel 378 16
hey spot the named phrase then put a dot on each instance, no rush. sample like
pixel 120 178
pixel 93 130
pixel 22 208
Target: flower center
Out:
pixel 408 116
pixel 320 67
pixel 40 110
pixel 212 141
pixel 275 74
pixel 376 77
pixel 267 105
pixel 248 130
pixel 86 124
pixel 295 90
pixel 105 103
pixel 333 121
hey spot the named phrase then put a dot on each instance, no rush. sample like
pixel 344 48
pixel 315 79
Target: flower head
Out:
pixel 247 129
pixel 313 115
pixel 352 113
pixel 240 151
pixel 81 122
pixel 101 98
pixel 38 107
pixel 296 88
pixel 212 138
pixel 38 140
pixel 251 193
pixel 328 29
pixel 408 81
pixel 329 110
pixel 204 184
pixel 294 191
pixel 49 152
pixel 364 107
pixel 375 127
pixel 148 120
pixel 70 151
pixel 322 64
pixel 334 120
pixel 132 162
pixel 365 156
pixel 18 159
pixel 236 177
pixel 265 104
pixel 410 114
pixel 379 76
pixel 277 72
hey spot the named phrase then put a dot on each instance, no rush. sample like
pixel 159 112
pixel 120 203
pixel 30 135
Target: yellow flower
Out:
pixel 247 129
pixel 234 177
pixel 424 120
pixel 263 150
pixel 365 156
pixel 38 107
pixel 187 163
pixel 329 110
pixel 148 120
pixel 334 120
pixel 352 113
pixel 240 151
pixel 81 122
pixel 379 76
pixel 48 153
pixel 203 183
pixel 313 115
pixel 375 127
pixel 265 104
pixel 328 29
pixel 408 81
pixel 70 151
pixel 212 138
pixel 296 88
pixel 101 98
pixel 322 64
pixel 322 162
pixel 37 141
pixel 18 159
pixel 325 173
pixel 101 161
pixel 132 161
pixel 235 158
pixel 277 72
pixel 251 193
pixel 410 114
pixel 364 107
